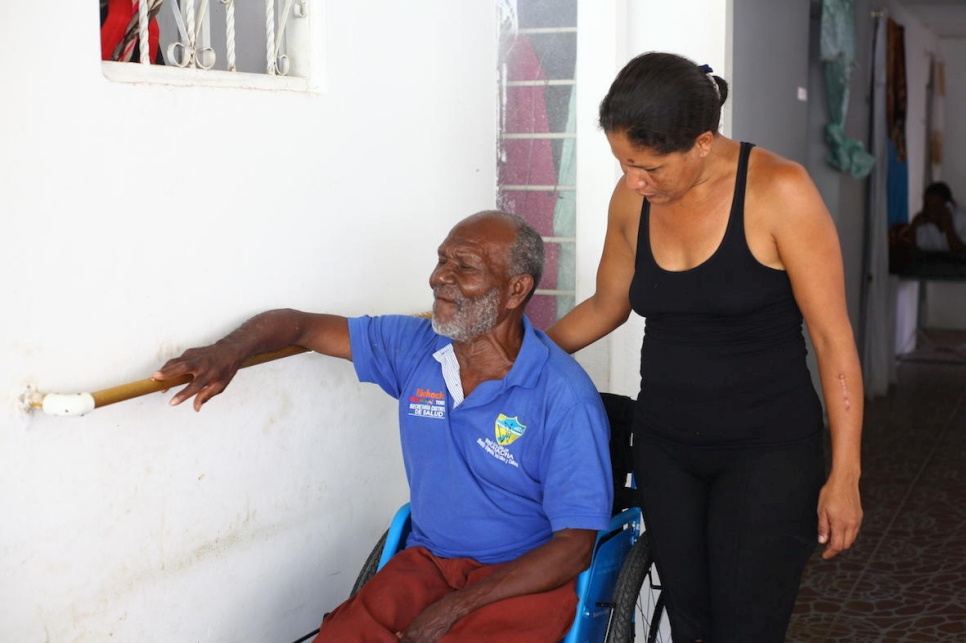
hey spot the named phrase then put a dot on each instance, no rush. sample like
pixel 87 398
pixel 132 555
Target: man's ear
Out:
pixel 519 291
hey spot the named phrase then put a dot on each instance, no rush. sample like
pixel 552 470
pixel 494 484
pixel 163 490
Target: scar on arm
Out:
pixel 845 392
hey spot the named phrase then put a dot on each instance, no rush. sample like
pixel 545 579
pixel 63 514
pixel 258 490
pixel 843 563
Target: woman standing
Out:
pixel 724 248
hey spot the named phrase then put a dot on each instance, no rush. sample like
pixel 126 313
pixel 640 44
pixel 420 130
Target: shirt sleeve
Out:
pixel 386 349
pixel 579 490
pixel 930 237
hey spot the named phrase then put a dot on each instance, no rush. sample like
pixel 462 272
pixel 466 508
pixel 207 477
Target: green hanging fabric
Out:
pixel 838 54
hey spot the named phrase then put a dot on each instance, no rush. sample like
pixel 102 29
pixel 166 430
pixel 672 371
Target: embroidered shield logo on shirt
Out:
pixel 508 429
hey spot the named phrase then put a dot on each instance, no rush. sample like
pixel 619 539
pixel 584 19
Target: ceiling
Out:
pixel 945 18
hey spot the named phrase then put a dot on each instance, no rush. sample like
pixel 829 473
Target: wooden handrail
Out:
pixel 81 403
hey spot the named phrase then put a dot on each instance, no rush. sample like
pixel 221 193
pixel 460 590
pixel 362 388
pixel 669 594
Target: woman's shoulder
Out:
pixel 768 165
pixel 774 177
pixel 782 202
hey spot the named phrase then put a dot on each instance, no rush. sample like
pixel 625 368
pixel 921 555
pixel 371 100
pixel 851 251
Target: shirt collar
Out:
pixel 525 371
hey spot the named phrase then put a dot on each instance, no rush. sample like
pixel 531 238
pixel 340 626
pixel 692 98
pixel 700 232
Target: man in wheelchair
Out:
pixel 504 440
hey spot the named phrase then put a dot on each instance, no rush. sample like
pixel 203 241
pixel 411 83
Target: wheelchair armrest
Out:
pixel 617 521
pixel 396 536
pixel 598 580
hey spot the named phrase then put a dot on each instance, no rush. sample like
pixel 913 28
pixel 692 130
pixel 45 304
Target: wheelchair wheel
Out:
pixel 370 566
pixel 638 607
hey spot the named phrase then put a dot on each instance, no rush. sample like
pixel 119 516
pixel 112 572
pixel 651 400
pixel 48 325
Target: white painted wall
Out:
pixel 697 29
pixel 141 219
pixel 601 52
pixel 611 33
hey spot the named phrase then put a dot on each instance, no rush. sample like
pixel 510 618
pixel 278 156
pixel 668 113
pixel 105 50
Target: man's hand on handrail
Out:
pixel 211 369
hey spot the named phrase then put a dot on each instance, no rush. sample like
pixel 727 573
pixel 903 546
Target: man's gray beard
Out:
pixel 473 317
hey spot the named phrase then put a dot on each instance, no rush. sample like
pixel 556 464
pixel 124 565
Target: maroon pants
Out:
pixel 415 579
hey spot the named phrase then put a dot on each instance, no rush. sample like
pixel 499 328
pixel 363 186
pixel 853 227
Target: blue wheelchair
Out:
pixel 614 604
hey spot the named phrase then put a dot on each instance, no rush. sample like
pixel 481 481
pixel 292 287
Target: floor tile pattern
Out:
pixel 905 579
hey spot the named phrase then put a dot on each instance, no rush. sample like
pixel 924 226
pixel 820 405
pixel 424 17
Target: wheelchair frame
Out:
pixel 610 598
pixel 608 592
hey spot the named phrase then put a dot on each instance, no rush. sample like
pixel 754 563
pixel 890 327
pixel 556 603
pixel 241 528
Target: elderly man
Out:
pixel 504 438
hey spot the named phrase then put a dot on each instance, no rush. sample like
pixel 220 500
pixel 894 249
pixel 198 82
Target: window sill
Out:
pixel 165 75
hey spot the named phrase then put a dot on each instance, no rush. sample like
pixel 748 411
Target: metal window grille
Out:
pixel 536 150
pixel 251 36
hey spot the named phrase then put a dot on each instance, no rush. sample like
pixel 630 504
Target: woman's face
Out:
pixel 659 178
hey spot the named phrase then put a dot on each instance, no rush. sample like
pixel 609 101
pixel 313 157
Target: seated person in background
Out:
pixel 939 227
pixel 504 440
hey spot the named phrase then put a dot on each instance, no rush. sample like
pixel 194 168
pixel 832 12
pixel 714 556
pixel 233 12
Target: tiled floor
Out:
pixel 905 579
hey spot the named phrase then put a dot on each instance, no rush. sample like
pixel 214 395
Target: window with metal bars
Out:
pixel 265 37
pixel 536 150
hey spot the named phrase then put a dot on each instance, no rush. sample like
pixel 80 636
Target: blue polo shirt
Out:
pixel 492 476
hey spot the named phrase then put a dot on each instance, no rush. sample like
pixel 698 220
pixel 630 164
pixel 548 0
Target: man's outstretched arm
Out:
pixel 213 367
pixel 542 569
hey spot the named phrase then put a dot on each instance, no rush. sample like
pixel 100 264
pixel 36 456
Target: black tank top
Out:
pixel 723 358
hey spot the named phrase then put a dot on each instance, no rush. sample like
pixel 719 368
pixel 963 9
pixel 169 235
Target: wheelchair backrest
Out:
pixel 620 413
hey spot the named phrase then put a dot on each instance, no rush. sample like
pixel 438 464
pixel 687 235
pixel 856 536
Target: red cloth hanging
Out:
pixel 122 16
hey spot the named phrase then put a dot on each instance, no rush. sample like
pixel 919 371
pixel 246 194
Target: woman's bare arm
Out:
pixel 808 248
pixel 609 306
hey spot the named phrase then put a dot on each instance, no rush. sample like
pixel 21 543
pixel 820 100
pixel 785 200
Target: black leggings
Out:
pixel 731 530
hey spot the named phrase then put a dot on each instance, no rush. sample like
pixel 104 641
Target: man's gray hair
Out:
pixel 526 253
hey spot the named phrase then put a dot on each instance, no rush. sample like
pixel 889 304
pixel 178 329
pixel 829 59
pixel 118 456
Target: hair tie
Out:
pixel 706 69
